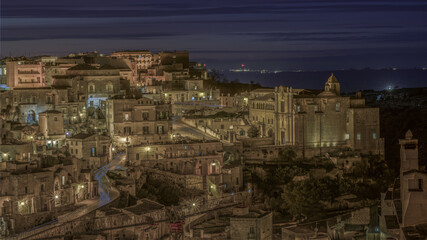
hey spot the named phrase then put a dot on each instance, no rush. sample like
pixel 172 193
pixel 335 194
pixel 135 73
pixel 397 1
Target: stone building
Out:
pixel 133 121
pixel 193 157
pixel 404 207
pixel 93 149
pixel 311 119
pixel 251 224
pixel 413 193
pixel 25 74
pixel 138 62
pixel 95 84
pixel 25 104
pixel 194 164
pixel 51 124
pixel 34 192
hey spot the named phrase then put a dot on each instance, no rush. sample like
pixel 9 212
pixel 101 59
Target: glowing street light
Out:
pixel 56 196
pixel 22 203
pixel 148 148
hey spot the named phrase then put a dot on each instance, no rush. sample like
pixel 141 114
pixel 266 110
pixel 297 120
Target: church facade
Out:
pixel 317 119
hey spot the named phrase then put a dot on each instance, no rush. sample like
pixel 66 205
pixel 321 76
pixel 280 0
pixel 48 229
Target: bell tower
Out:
pixel 332 85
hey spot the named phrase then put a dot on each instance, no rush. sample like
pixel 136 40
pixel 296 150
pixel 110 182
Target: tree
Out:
pixel 253 131
pixel 287 154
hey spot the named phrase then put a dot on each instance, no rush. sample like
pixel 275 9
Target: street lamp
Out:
pixel 147 149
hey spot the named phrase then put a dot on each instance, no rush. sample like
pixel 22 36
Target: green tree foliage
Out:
pixel 161 191
pixel 253 131
pixel 287 154
pixel 304 198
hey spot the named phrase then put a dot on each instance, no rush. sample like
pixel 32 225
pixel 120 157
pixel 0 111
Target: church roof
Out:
pixel 327 94
pixel 83 66
pixel 266 97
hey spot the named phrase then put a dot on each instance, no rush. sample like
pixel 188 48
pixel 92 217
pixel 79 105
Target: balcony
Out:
pixel 28 72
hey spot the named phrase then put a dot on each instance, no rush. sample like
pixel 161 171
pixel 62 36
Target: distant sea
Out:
pixel 351 80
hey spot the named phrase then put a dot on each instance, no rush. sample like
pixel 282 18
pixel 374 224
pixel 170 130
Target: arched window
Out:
pixel 91 88
pixel 109 87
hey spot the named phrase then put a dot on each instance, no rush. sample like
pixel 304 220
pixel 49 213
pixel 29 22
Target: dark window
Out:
pixel 145 116
pixel 145 130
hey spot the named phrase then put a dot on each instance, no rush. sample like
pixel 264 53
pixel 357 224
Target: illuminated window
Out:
pixel 374 136
pixel 358 136
pixel 127 117
pixel 93 152
pixel 347 136
pixel 298 108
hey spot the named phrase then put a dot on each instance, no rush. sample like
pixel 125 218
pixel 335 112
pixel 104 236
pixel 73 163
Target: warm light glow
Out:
pixel 49 142
pixel 194 204
pixel 148 148
pixel 31 137
pixel 4 154
pixel 22 203
pixel 56 196
pixel 113 149
pixel 213 164
pixel 82 186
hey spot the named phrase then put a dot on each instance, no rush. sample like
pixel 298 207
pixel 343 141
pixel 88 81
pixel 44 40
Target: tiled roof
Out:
pixel 81 136
pixel 83 67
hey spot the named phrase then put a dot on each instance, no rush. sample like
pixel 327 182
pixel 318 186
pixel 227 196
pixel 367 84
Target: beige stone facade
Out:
pixel 94 149
pixel 245 224
pixel 316 119
pixel 138 121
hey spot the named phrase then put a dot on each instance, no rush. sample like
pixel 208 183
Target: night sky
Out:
pixel 271 34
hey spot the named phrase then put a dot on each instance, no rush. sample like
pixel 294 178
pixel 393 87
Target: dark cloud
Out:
pixel 314 34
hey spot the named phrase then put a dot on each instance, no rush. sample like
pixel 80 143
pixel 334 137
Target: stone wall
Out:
pixel 187 181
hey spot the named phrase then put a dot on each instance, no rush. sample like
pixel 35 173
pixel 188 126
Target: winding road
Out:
pixel 107 194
